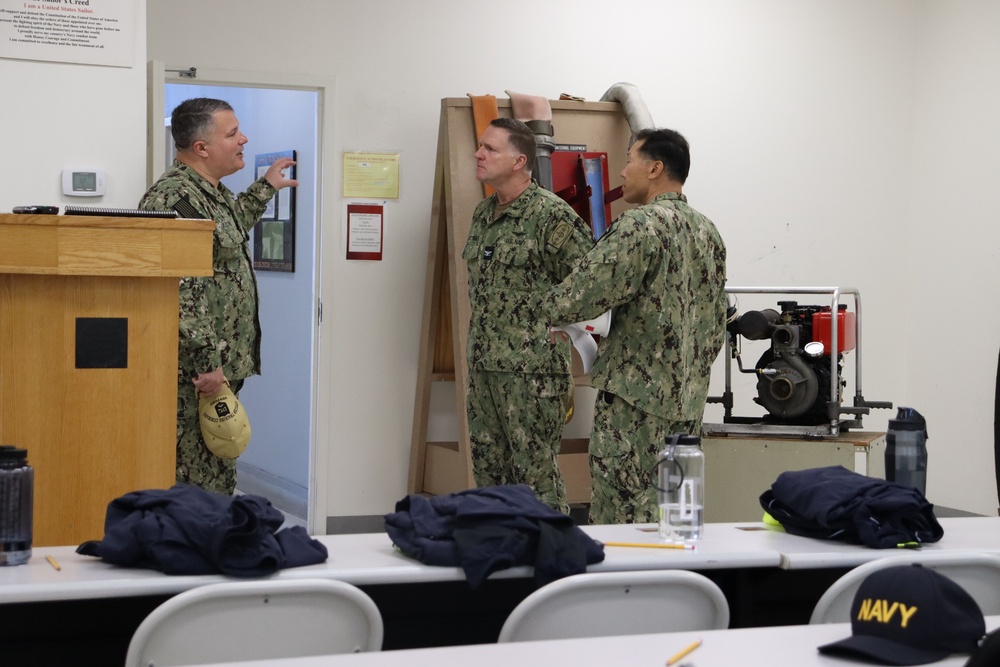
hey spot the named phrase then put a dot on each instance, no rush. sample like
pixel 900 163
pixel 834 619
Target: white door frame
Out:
pixel 157 78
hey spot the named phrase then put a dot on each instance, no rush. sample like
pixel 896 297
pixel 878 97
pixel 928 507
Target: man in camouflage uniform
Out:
pixel 219 327
pixel 523 241
pixel 662 268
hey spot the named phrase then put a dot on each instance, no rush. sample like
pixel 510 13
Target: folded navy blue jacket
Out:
pixel 188 530
pixel 491 528
pixel 836 504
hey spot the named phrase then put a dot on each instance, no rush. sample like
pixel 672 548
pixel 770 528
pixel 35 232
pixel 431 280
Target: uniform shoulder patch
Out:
pixel 559 235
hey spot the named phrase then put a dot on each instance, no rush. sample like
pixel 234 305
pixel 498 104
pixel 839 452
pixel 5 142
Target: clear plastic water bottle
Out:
pixel 906 450
pixel 17 488
pixel 681 477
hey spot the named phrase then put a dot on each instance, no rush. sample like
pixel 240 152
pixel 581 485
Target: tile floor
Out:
pixel 290 519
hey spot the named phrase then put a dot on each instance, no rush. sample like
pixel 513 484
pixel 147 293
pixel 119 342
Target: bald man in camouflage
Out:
pixel 219 326
pixel 523 241
pixel 662 268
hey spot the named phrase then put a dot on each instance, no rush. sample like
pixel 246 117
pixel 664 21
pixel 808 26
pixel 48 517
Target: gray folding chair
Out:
pixel 244 620
pixel 618 603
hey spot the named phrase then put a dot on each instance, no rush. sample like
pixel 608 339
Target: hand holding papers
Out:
pixel 582 334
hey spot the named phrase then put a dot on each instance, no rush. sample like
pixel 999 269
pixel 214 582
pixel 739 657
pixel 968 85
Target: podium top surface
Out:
pixel 105 246
pixel 104 222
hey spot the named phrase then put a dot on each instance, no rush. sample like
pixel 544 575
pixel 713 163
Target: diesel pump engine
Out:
pixel 800 379
pixel 793 376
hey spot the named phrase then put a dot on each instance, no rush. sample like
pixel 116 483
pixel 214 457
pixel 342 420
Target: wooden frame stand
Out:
pixel 445 467
pixel 88 357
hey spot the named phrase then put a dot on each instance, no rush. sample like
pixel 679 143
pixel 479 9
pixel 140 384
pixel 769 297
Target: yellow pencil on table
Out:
pixel 53 562
pixel 683 652
pixel 649 545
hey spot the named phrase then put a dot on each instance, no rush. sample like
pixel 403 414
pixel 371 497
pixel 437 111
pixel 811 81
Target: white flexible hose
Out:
pixel 636 113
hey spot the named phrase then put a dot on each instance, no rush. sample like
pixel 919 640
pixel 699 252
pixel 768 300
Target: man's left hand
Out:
pixel 209 383
pixel 277 174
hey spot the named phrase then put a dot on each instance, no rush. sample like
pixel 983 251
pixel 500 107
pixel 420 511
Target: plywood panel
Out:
pixel 602 127
pixel 740 468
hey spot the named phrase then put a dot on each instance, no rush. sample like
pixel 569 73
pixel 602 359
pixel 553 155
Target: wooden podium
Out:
pixel 88 357
pixel 444 467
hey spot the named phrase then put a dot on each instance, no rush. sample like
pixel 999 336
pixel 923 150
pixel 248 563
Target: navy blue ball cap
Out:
pixel 910 615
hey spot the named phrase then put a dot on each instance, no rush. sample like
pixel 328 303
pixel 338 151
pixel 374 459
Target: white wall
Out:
pixel 950 325
pixel 809 123
pixel 57 115
pixel 834 143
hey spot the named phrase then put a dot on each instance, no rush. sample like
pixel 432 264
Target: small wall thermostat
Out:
pixel 84 182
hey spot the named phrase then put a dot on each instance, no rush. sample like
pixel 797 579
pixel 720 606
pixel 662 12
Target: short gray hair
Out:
pixel 192 120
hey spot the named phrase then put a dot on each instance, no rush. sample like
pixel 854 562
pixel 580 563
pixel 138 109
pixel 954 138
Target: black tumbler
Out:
pixel 906 450
pixel 17 482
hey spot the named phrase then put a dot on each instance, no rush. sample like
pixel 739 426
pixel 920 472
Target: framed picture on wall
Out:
pixel 274 235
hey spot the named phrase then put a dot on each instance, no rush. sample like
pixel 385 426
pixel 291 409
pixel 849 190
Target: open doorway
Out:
pixel 281 402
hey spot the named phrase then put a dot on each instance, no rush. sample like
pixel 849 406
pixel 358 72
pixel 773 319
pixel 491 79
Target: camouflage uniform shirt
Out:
pixel 662 267
pixel 219 325
pixel 512 262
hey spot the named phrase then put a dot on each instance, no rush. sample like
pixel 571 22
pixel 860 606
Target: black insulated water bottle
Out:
pixel 906 450
pixel 17 481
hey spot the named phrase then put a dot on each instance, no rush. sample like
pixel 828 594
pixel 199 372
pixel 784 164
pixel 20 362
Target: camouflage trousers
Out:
pixel 624 446
pixel 515 429
pixel 195 463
